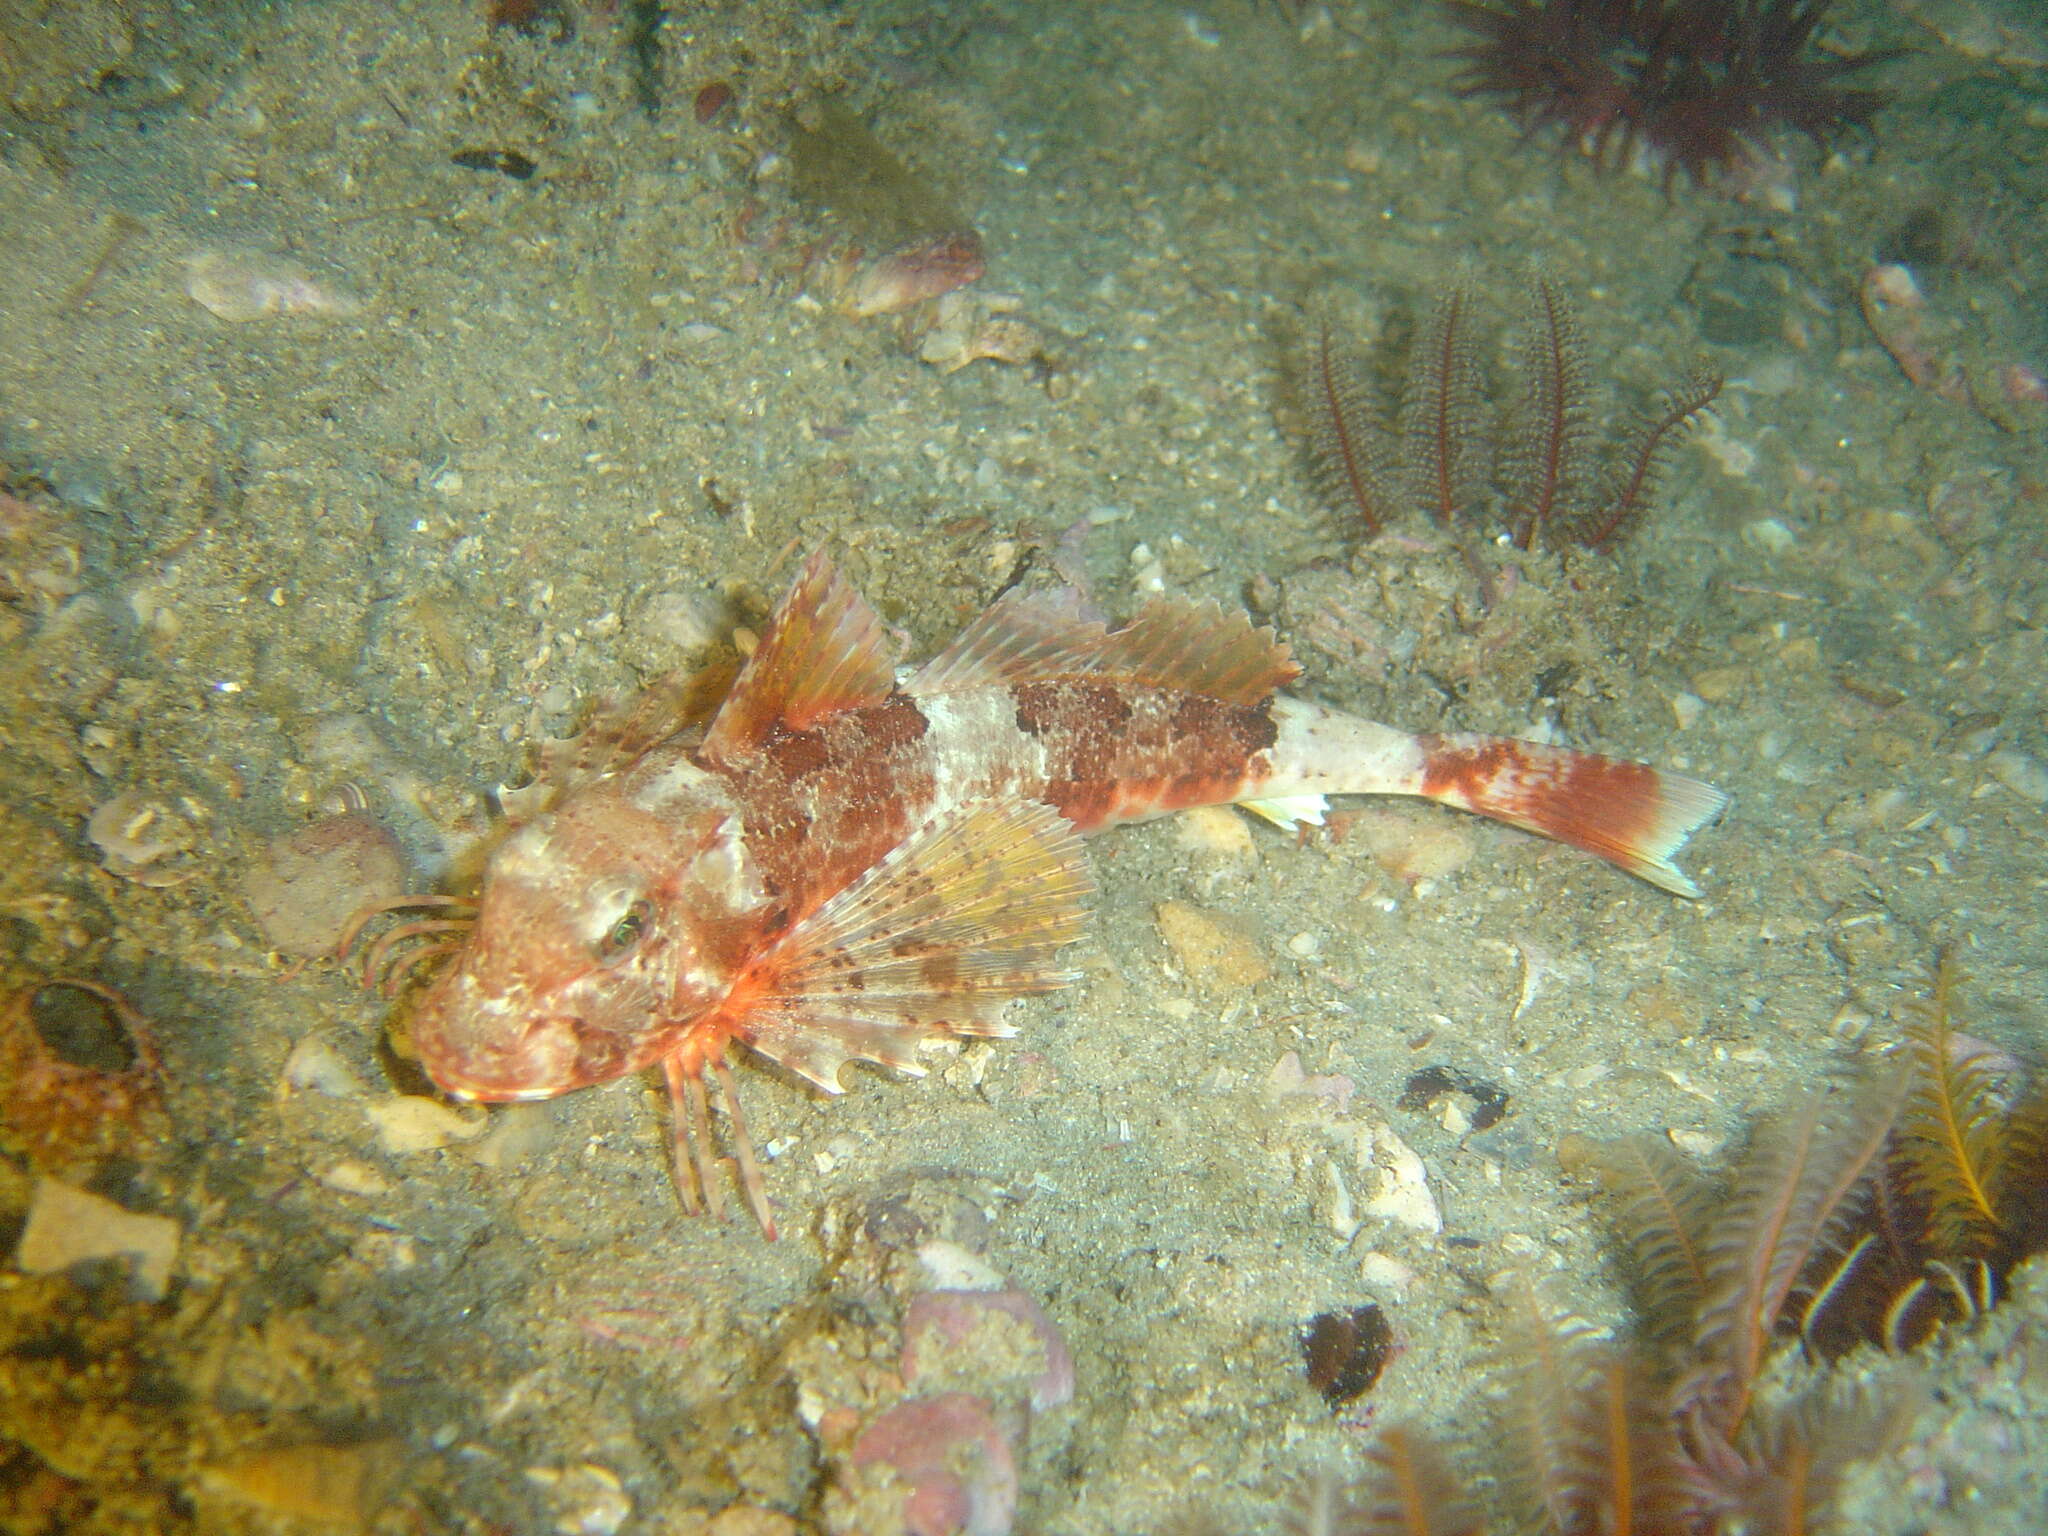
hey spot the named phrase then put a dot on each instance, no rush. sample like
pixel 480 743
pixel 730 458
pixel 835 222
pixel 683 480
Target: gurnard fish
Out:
pixel 835 865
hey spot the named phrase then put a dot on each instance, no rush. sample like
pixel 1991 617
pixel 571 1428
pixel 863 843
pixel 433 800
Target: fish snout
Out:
pixel 497 1060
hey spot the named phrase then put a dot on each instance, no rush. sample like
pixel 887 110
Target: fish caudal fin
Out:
pixel 1627 813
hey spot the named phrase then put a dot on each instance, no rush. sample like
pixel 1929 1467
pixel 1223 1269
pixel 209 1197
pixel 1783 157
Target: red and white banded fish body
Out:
pixel 841 866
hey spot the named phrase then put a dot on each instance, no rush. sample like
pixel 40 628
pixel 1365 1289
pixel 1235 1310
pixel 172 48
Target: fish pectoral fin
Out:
pixel 962 916
pixel 824 651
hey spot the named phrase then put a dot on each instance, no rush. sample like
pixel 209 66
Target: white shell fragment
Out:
pixel 240 285
pixel 1398 1187
pixel 68 1225
pixel 408 1123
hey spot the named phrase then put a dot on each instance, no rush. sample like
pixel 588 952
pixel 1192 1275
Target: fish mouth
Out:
pixel 538 1063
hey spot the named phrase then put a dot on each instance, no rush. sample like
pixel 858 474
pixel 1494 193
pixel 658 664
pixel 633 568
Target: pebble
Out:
pixel 983 1337
pixel 1769 535
pixel 408 1123
pixel 519 1133
pixel 956 1470
pixel 1398 1183
pixel 242 285
pixel 68 1225
pixel 353 1177
pixel 1414 848
pixel 340 1486
pixel 307 886
pixel 1216 831
pixel 588 1500
pixel 316 1065
pixel 1215 950
pixel 2023 775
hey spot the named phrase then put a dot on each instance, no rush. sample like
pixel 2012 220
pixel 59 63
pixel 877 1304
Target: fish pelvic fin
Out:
pixel 961 917
pixel 1628 813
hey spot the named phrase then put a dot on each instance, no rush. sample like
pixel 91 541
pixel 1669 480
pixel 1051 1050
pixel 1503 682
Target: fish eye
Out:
pixel 626 932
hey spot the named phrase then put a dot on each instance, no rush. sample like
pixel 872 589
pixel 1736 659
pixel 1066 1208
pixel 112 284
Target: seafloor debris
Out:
pixel 306 886
pixel 68 1225
pixel 1344 1352
pixel 950 1466
pixel 79 1075
pixel 323 1484
pixel 146 839
pixel 1939 352
pixel 931 1443
pixel 239 285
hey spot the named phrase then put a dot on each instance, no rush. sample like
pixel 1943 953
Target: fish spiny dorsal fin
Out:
pixel 959 918
pixel 1200 647
pixel 1191 647
pixel 1020 636
pixel 824 651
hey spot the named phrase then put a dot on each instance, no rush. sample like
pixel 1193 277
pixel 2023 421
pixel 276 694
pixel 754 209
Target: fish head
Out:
pixel 604 931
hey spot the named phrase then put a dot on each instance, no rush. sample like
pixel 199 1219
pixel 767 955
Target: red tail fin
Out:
pixel 1626 813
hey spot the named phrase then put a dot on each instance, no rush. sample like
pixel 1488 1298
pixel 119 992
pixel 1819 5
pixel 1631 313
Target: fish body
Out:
pixel 840 865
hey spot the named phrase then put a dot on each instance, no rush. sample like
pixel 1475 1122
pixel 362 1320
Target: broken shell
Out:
pixel 407 1123
pixel 242 285
pixel 79 1075
pixel 143 840
pixel 68 1225
pixel 913 273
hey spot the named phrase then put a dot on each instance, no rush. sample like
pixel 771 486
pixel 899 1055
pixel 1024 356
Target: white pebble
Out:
pixel 2023 775
pixel 68 1225
pixel 1687 707
pixel 353 1177
pixel 1769 535
pixel 406 1123
pixel 241 285
pixel 315 1064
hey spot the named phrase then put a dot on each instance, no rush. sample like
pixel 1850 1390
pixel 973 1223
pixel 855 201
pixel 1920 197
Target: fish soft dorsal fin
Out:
pixel 1193 647
pixel 952 923
pixel 824 651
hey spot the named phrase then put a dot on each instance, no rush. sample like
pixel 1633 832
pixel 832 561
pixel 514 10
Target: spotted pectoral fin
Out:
pixel 1189 647
pixel 824 651
pixel 959 918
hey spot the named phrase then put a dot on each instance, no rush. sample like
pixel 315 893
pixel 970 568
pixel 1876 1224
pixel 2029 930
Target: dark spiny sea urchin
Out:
pixel 1696 84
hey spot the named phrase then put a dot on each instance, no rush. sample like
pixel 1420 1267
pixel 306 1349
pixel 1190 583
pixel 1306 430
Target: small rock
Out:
pixel 1217 952
pixel 1216 831
pixel 1397 1182
pixel 307 886
pixel 986 1338
pixel 68 1225
pixel 354 1177
pixel 407 1123
pixel 956 1470
pixel 316 1065
pixel 1415 848
pixel 242 285
pixel 330 1485
pixel 588 1500
pixel 519 1133
pixel 2023 775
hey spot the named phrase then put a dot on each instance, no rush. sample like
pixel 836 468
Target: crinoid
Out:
pixel 1698 86
pixel 1528 460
